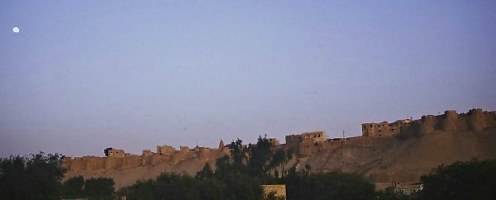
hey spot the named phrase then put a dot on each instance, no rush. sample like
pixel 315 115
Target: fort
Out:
pixel 386 153
pixel 476 119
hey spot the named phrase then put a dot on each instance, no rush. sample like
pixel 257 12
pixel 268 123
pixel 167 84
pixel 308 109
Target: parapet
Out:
pixel 475 119
pixel 165 150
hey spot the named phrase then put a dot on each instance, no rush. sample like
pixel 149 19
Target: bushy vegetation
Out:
pixel 333 185
pixel 34 177
pixel 461 180
pixel 101 188
pixel 39 176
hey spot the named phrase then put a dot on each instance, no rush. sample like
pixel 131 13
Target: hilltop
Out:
pixel 387 153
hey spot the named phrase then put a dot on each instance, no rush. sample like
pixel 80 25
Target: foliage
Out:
pixel 140 190
pixel 334 185
pixel 389 194
pixel 174 186
pixel 254 160
pixel 73 188
pixel 99 188
pixel 35 177
pixel 461 180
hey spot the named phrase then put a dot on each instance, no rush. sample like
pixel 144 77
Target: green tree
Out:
pixel 242 187
pixel 101 188
pixel 334 185
pixel 35 177
pixel 211 188
pixel 390 194
pixel 73 188
pixel 174 186
pixel 461 180
pixel 140 190
pixel 205 172
pixel 260 157
pixel 238 156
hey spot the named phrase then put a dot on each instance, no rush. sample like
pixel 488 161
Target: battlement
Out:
pixel 165 150
pixel 474 119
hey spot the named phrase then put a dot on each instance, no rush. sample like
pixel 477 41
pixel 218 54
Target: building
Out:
pixel 316 136
pixel 116 153
pixel 277 190
pixel 384 128
pixel 305 143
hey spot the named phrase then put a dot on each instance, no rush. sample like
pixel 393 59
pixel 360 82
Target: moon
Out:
pixel 15 29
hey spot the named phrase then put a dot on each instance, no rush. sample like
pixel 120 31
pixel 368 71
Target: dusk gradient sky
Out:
pixel 81 76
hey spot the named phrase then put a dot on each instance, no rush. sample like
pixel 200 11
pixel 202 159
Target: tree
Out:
pixel 99 188
pixel 260 157
pixel 73 188
pixel 205 173
pixel 461 180
pixel 174 186
pixel 140 190
pixel 334 185
pixel 35 177
pixel 238 156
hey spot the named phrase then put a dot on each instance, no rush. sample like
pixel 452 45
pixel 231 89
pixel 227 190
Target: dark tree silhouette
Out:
pixel 99 188
pixel 35 177
pixel 461 180
pixel 73 188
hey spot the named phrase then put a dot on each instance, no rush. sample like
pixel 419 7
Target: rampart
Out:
pixel 475 119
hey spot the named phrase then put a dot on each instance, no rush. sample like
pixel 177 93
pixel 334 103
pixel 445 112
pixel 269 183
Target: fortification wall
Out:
pixel 474 120
pixel 127 170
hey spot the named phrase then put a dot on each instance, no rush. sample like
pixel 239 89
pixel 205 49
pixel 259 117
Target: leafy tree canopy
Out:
pixel 34 177
pixel 461 180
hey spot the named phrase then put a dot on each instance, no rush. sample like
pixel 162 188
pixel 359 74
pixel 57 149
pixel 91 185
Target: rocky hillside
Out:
pixel 402 158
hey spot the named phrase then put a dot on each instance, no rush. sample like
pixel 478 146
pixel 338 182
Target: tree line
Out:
pixel 39 176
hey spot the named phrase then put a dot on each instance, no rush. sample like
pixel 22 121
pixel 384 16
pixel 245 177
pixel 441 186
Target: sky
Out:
pixel 81 76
